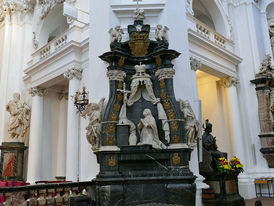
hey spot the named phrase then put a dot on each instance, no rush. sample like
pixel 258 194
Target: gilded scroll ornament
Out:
pixel 111 162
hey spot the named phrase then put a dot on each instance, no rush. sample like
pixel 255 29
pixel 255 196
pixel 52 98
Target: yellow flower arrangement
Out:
pixel 236 165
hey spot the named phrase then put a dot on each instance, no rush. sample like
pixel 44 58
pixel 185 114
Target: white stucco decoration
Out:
pixel 116 34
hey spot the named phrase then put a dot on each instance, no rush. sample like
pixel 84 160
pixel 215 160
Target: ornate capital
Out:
pixel 229 82
pixel 74 72
pixel 34 91
pixel 166 73
pixel 116 75
pixel 9 7
pixel 195 64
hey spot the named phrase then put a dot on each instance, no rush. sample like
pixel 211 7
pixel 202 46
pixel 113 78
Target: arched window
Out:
pixel 211 14
pixel 53 25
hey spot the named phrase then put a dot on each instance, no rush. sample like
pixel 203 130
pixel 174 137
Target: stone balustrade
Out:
pixel 210 35
pixel 70 36
pixel 45 194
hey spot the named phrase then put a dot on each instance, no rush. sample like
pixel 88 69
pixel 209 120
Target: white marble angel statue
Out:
pixel 161 33
pixel 94 112
pixel 19 120
pixel 116 34
pixel 148 131
pixel 192 126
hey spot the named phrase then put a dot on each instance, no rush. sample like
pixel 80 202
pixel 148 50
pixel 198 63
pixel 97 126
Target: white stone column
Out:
pixel 237 137
pixel 74 75
pixel 35 139
pixel 62 135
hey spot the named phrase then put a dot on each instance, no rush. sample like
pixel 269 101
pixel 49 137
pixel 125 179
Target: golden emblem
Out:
pixel 174 126
pixel 111 129
pixel 139 44
pixel 158 60
pixel 163 96
pixel 111 140
pixel 176 139
pixel 120 85
pixel 121 61
pixel 171 114
pixel 111 162
pixel 162 84
pixel 116 107
pixel 176 159
pixel 166 105
pixel 113 117
pixel 119 97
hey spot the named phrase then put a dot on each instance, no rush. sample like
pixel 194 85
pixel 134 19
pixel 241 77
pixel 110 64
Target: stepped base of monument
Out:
pixel 138 191
pixel 140 175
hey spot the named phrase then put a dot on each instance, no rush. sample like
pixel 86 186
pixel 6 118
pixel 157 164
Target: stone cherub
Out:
pixel 192 126
pixel 161 33
pixel 116 34
pixel 19 120
pixel 94 112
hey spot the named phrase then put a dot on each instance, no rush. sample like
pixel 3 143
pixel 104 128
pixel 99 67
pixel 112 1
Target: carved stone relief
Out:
pixel 34 91
pixel 74 72
pixel 229 82
pixel 195 64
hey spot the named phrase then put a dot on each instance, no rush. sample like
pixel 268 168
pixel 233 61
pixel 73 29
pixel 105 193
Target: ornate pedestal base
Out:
pixel 223 191
pixel 267 142
pixel 140 175
pixel 12 160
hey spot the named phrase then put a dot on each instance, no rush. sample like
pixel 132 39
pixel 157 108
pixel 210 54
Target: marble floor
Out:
pixel 265 201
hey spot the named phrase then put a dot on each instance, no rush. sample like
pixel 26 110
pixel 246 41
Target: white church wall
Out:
pixel 50 135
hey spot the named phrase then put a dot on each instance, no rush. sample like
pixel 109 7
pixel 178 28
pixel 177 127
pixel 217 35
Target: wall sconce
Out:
pixel 81 99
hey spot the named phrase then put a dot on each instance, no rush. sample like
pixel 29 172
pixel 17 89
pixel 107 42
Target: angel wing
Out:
pixel 101 106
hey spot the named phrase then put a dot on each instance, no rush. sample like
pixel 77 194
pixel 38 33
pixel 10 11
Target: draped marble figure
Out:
pixel 149 132
pixel 19 120
pixel 94 112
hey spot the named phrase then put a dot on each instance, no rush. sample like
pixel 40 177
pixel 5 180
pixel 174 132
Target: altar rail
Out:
pixel 46 194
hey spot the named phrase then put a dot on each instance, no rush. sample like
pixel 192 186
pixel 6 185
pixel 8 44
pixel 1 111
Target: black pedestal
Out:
pixel 140 175
pixel 12 160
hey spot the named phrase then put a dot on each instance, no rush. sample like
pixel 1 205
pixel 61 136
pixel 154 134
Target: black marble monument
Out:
pixel 142 102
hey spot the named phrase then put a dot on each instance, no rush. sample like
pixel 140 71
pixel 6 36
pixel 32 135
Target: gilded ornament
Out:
pixel 119 96
pixel 163 96
pixel 113 117
pixel 174 126
pixel 176 139
pixel 111 129
pixel 120 85
pixel 139 44
pixel 162 84
pixel 111 162
pixel 158 60
pixel 176 159
pixel 121 61
pixel 166 105
pixel 116 107
pixel 111 140
pixel 171 114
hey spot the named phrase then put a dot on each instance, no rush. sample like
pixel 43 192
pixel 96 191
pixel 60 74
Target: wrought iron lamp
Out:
pixel 81 99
